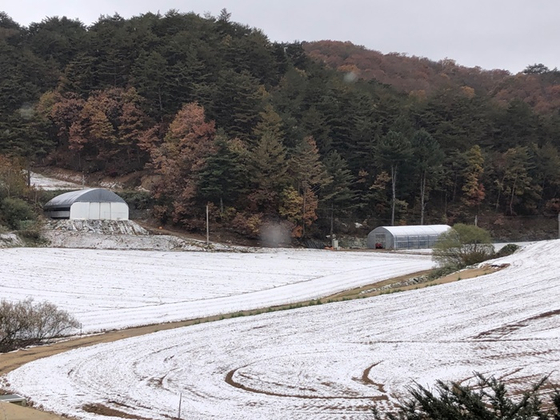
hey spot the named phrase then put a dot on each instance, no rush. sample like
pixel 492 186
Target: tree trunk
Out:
pixel 303 218
pixel 512 196
pixel 332 220
pixel 28 167
pixel 394 189
pixel 422 196
pixel 160 100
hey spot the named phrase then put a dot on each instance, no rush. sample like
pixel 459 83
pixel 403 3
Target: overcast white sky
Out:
pixel 503 34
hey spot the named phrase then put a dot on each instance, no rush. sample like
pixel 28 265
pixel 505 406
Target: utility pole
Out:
pixel 180 401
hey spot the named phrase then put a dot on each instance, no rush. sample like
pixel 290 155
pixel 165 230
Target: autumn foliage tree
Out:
pixel 180 159
pixel 103 132
pixel 473 188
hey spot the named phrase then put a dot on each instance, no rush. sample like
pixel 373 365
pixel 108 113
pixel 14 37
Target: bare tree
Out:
pixel 26 323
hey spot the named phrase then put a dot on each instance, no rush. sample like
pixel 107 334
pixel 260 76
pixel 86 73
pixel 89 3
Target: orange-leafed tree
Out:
pixel 178 161
pixel 473 189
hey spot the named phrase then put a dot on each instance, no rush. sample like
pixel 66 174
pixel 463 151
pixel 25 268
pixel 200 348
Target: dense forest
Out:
pixel 201 110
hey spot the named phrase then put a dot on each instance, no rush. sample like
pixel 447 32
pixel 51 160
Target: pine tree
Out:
pixel 391 152
pixel 308 176
pixel 490 399
pixel 338 194
pixel 268 167
pixel 428 158
pixel 225 176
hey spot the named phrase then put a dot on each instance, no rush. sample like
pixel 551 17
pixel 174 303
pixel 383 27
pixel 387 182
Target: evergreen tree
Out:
pixel 225 176
pixel 338 194
pixel 308 176
pixel 428 158
pixel 391 152
pixel 490 399
pixel 268 167
pixel 270 122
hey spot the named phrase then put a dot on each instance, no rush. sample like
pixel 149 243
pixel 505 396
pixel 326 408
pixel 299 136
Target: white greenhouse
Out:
pixel 90 204
pixel 405 237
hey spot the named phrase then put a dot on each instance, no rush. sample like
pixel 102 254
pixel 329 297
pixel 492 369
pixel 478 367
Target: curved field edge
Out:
pixel 108 290
pixel 505 325
pixel 14 360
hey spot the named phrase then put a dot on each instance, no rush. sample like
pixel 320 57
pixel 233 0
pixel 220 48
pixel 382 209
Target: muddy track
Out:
pixel 236 384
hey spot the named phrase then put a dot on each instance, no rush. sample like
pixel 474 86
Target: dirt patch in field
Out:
pixel 111 412
pixel 13 360
pixel 504 330
pixel 229 379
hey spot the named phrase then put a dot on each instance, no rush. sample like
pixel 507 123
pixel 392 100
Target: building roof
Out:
pixel 415 229
pixel 96 195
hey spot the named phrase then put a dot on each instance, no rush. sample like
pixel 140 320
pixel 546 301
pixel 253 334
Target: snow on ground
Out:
pixel 118 234
pixel 48 184
pixel 116 289
pixel 322 362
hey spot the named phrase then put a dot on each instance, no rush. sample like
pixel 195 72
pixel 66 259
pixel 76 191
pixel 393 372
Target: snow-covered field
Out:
pixel 327 361
pixel 107 289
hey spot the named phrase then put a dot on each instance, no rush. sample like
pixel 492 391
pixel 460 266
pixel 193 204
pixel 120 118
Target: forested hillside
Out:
pixel 210 111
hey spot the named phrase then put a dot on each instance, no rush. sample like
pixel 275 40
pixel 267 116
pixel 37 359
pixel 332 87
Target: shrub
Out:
pixel 138 200
pixel 463 245
pixel 439 272
pixel 489 400
pixel 247 224
pixel 507 250
pixel 26 323
pixel 15 211
pixel 31 234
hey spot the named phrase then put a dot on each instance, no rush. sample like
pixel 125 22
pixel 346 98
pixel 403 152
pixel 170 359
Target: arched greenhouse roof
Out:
pixel 415 230
pixel 92 195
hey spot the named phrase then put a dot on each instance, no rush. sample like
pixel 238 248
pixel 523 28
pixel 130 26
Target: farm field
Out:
pixel 107 289
pixel 321 362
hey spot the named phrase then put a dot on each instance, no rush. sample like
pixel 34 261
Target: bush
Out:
pixel 14 212
pixel 26 323
pixel 462 246
pixel 489 400
pixel 138 200
pixel 507 250
pixel 31 234
pixel 247 224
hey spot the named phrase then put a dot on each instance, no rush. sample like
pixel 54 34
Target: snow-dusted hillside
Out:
pixel 323 362
pixel 49 184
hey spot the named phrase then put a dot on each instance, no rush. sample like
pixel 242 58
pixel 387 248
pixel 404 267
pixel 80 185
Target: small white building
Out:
pixel 405 237
pixel 90 204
